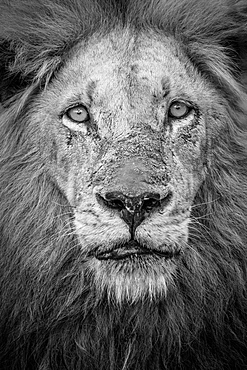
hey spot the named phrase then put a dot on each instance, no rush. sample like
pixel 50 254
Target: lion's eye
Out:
pixel 178 110
pixel 78 114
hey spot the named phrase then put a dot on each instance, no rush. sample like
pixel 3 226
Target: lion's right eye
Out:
pixel 178 109
pixel 78 114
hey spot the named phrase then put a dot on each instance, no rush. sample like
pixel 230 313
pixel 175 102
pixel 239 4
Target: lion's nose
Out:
pixel 133 210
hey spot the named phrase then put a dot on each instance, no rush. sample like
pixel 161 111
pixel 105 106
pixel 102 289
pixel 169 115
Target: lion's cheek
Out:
pixel 70 166
pixel 187 161
pixel 190 148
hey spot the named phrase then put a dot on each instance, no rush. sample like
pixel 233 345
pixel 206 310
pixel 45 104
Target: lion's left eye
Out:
pixel 178 109
pixel 78 114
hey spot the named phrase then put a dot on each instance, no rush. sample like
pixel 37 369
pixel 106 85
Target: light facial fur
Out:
pixel 130 145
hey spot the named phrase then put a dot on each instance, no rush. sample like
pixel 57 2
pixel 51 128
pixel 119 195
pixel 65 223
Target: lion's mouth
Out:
pixel 133 249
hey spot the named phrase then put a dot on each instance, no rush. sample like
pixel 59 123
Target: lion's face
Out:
pixel 122 130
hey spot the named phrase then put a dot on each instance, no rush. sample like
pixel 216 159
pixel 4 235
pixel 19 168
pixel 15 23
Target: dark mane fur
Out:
pixel 49 319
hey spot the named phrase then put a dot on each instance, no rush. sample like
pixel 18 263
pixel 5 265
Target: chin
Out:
pixel 132 272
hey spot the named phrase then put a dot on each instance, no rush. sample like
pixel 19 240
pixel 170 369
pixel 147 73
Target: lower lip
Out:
pixel 120 254
pixel 132 251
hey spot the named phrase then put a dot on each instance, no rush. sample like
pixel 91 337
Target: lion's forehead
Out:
pixel 129 72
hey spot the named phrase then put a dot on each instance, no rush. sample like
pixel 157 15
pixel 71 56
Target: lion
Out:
pixel 123 185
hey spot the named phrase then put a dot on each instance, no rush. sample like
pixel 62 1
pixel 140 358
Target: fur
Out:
pixel 50 314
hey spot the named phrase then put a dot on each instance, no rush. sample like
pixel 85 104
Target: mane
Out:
pixel 37 36
pixel 204 317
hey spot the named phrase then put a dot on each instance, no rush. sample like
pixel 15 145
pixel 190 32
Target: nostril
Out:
pixel 153 201
pixel 150 201
pixel 149 204
pixel 112 200
pixel 116 204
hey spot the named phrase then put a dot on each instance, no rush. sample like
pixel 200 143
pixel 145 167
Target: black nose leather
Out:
pixel 133 210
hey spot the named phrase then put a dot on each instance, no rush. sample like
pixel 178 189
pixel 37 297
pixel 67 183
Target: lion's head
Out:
pixel 123 185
